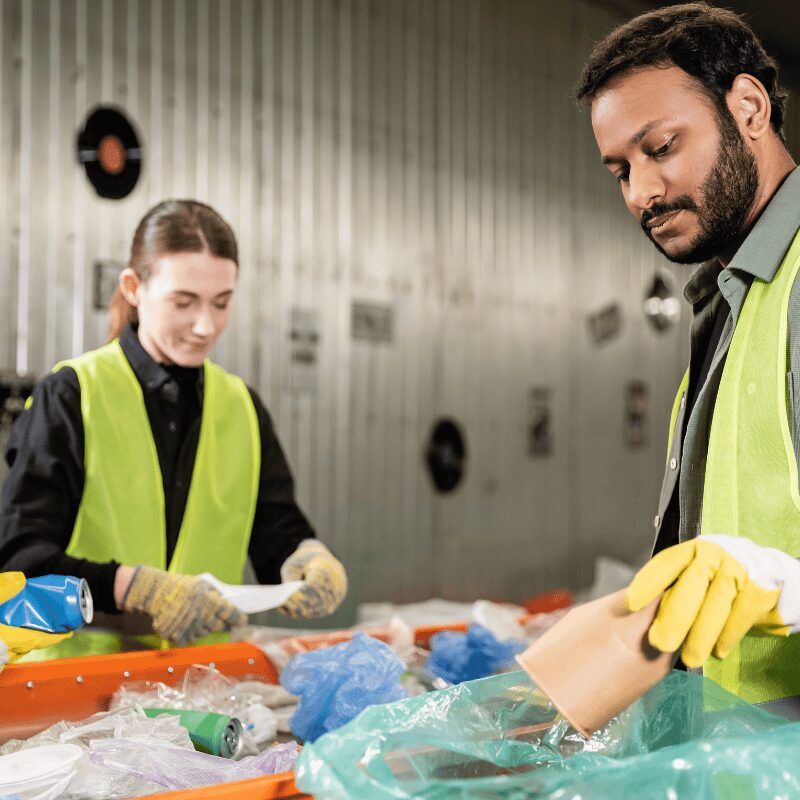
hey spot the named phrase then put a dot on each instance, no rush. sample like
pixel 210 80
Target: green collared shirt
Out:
pixel 759 256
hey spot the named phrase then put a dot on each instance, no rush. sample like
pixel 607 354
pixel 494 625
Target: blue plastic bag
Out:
pixel 336 683
pixel 500 738
pixel 459 657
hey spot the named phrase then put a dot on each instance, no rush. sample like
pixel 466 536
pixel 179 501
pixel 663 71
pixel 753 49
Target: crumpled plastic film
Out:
pixel 95 783
pixel 171 768
pixel 458 657
pixel 207 689
pixel 337 683
pixel 501 738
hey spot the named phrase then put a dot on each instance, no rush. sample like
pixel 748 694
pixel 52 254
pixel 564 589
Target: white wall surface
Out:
pixel 424 154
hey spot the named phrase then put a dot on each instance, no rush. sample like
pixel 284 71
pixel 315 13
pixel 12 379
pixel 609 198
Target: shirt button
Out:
pixel 179 484
pixel 170 389
pixel 172 426
pixel 656 521
pixel 673 462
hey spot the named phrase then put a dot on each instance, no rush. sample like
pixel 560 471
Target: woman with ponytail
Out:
pixel 143 464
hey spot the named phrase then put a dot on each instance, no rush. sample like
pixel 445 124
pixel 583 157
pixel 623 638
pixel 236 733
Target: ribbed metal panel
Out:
pixel 420 154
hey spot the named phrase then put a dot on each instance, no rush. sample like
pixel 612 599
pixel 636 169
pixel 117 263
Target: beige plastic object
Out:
pixel 596 661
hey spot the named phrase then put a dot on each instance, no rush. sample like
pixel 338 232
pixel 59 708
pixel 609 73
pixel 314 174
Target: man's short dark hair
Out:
pixel 713 45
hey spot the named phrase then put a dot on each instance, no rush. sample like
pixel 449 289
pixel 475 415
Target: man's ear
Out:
pixel 129 284
pixel 750 105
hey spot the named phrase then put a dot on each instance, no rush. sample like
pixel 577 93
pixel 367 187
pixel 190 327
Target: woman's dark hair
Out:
pixel 173 226
pixel 713 45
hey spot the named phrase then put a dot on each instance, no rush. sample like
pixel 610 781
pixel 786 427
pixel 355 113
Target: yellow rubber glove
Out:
pixel 183 607
pixel 326 581
pixel 16 642
pixel 716 589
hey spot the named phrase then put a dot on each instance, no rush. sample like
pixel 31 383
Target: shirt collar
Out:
pixel 151 375
pixel 763 251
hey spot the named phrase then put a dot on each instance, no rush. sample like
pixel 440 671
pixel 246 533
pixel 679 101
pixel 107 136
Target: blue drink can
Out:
pixel 51 603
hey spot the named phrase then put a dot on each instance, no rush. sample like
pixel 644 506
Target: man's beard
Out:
pixel 728 194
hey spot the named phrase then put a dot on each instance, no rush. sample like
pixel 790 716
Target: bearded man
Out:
pixel 688 115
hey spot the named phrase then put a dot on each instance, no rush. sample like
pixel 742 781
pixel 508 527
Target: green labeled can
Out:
pixel 217 734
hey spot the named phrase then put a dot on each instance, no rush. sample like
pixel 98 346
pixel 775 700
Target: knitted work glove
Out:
pixel 716 589
pixel 16 642
pixel 325 581
pixel 183 607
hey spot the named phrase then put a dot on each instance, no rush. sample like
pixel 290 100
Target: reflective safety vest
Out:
pixel 121 515
pixel 751 479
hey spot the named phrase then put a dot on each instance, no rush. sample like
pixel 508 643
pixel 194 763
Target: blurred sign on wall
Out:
pixel 605 324
pixel 105 279
pixel 305 338
pixel 373 322
pixel 540 427
pixel 636 406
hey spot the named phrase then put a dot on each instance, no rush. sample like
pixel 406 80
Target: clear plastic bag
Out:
pixel 95 783
pixel 207 689
pixel 459 657
pixel 337 683
pixel 501 738
pixel 169 767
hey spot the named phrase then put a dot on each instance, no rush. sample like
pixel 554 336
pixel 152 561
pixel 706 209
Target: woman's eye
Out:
pixel 221 306
pixel 182 306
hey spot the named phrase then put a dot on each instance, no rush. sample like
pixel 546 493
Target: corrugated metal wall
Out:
pixel 422 154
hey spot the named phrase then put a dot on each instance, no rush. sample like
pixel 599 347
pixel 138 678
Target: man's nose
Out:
pixel 645 187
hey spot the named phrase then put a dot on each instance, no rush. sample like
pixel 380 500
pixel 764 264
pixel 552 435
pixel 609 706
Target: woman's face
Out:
pixel 183 306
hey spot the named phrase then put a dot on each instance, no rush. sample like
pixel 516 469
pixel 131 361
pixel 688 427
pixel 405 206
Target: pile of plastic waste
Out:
pixel 252 702
pixel 501 738
pixel 128 752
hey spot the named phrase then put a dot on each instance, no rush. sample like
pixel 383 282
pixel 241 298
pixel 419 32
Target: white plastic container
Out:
pixel 39 773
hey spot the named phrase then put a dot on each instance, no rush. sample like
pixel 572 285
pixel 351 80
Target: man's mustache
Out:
pixel 682 203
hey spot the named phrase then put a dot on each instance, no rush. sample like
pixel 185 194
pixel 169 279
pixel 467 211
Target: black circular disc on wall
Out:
pixel 109 150
pixel 446 455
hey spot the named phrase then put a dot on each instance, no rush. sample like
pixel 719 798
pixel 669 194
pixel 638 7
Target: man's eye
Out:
pixel 664 149
pixel 622 177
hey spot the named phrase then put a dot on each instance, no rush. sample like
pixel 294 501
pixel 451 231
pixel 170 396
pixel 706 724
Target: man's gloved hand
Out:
pixel 716 589
pixel 183 607
pixel 16 642
pixel 326 581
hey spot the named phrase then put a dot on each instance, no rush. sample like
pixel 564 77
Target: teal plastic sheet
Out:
pixel 500 737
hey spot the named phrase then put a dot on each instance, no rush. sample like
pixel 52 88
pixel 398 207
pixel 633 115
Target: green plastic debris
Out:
pixel 501 738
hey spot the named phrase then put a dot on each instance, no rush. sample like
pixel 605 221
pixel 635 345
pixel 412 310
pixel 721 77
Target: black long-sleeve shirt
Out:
pixel 43 490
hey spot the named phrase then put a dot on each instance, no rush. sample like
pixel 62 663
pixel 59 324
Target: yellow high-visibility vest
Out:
pixel 751 480
pixel 121 515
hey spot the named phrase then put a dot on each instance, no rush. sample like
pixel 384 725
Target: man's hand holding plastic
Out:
pixel 716 589
pixel 183 607
pixel 16 642
pixel 325 578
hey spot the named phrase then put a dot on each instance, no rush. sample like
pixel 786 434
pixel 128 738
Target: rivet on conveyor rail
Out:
pixel 79 678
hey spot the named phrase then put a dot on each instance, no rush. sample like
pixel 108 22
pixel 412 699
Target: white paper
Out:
pixel 252 599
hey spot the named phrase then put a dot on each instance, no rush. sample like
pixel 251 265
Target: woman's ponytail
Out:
pixel 120 314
